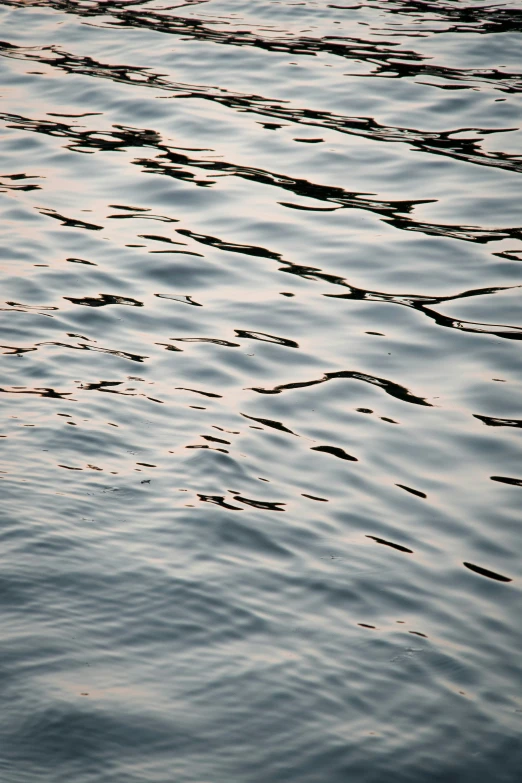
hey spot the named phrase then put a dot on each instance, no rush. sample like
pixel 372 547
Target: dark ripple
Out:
pixel 390 387
pixel 387 61
pixel 104 299
pixel 69 222
pixel 480 19
pixel 335 451
pixel 399 547
pixel 439 143
pixel 412 491
pixel 489 574
pixel 266 338
pixel 393 213
pixel 492 421
pixel 514 482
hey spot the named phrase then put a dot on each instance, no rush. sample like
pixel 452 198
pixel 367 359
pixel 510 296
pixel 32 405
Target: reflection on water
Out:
pixel 267 256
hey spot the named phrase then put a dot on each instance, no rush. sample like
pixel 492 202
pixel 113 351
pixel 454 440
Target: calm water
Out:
pixel 261 391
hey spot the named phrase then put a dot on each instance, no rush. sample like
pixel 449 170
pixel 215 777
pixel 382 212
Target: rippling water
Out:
pixel 291 553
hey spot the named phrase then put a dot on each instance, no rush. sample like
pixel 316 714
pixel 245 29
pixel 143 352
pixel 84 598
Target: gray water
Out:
pixel 261 391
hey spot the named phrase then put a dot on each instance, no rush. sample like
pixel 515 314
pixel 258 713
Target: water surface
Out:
pixel 264 260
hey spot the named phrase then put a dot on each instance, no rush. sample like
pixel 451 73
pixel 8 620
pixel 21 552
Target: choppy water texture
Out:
pixel 261 391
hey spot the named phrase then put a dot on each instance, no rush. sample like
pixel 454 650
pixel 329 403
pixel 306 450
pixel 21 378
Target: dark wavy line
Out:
pixel 104 299
pixel 438 143
pixel 399 547
pixel 387 61
pixel 462 18
pixel 276 425
pixel 390 387
pixel 173 163
pixel 485 572
pixel 491 421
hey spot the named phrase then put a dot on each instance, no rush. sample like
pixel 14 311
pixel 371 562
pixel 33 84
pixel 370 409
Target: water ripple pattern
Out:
pixel 264 259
